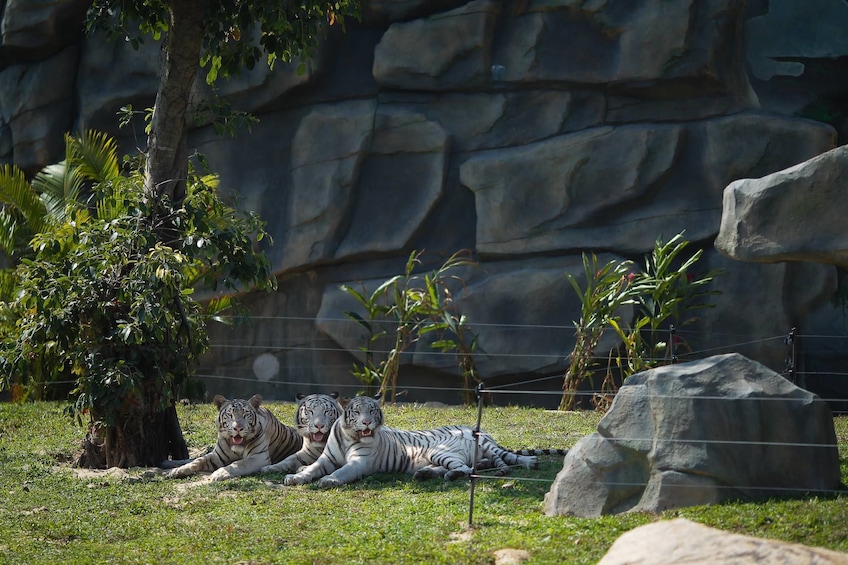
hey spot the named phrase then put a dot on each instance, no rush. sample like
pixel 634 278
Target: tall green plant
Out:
pixel 398 312
pixel 55 194
pixel 661 294
pixel 102 298
pixel 608 289
pixel 670 291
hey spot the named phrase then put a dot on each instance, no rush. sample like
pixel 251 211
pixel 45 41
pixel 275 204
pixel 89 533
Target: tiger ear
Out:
pixel 299 396
pixel 334 394
pixel 255 400
pixel 344 401
pixel 219 401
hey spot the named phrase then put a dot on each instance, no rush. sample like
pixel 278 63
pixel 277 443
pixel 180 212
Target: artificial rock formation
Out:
pixel 527 132
pixel 725 427
pixel 670 542
pixel 768 219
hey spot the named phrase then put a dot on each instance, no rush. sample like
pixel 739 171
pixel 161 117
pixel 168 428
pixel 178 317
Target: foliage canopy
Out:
pixel 238 34
pixel 100 298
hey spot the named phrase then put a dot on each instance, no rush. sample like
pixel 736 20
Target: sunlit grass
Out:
pixel 52 513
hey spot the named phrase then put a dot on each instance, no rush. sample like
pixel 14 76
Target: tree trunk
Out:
pixel 167 145
pixel 143 437
pixel 143 434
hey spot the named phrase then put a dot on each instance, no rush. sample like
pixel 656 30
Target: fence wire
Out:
pixel 649 442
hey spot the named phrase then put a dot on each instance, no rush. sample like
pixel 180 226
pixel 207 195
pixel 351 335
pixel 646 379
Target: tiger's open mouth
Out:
pixel 365 433
pixel 317 436
pixel 237 440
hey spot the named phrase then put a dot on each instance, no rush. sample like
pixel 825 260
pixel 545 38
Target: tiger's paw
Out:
pixel 426 473
pixel 221 474
pixel 293 480
pixel 329 482
pixel 455 474
pixel 176 473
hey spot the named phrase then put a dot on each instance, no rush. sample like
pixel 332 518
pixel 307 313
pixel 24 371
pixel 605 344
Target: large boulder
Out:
pixel 695 433
pixel 670 542
pixel 768 219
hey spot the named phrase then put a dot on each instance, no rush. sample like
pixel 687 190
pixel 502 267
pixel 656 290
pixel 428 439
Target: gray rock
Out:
pixel 757 327
pixel 400 183
pixel 327 152
pixel 559 180
pixel 699 433
pixel 789 33
pixel 607 43
pixel 545 196
pixel 36 102
pixel 112 74
pixel 536 337
pixel 378 11
pixel 33 30
pixel 443 52
pixel 670 542
pixel 769 219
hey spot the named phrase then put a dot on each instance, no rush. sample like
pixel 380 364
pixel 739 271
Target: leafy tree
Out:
pixel 104 299
pixel 223 36
pixel 164 226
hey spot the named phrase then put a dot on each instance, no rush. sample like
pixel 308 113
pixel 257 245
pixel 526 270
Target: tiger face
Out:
pixel 315 415
pixel 362 417
pixel 238 420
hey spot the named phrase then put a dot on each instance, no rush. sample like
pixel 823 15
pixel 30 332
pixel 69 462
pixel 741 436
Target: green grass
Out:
pixel 52 513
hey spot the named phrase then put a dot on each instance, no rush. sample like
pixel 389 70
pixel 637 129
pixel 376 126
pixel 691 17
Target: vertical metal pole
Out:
pixel 479 391
pixel 791 341
pixel 672 330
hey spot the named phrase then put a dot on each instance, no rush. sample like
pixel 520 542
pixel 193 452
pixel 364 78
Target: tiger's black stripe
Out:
pixel 249 437
pixel 361 445
pixel 314 418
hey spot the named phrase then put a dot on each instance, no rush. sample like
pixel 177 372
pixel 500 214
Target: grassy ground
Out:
pixel 53 513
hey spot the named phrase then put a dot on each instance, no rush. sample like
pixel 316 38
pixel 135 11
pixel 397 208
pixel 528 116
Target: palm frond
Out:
pixel 95 154
pixel 10 231
pixel 60 186
pixel 16 192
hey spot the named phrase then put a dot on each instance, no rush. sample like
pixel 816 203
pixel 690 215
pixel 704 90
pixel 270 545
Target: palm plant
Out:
pixel 29 208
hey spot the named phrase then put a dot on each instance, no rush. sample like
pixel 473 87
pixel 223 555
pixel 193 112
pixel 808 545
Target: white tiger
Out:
pixel 249 438
pixel 315 416
pixel 361 445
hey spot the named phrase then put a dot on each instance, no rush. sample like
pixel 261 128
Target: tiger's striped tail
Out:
pixel 537 452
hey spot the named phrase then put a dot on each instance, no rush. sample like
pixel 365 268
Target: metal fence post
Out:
pixel 792 343
pixel 672 330
pixel 479 391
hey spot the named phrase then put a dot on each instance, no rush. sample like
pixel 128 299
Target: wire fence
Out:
pixel 794 345
pixel 547 358
pixel 789 346
pixel 317 354
pixel 742 448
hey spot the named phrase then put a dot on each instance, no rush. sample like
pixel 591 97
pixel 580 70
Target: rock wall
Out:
pixel 526 131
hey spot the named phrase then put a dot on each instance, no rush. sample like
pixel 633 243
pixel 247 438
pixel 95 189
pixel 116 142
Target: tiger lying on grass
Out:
pixel 249 438
pixel 314 419
pixel 361 445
